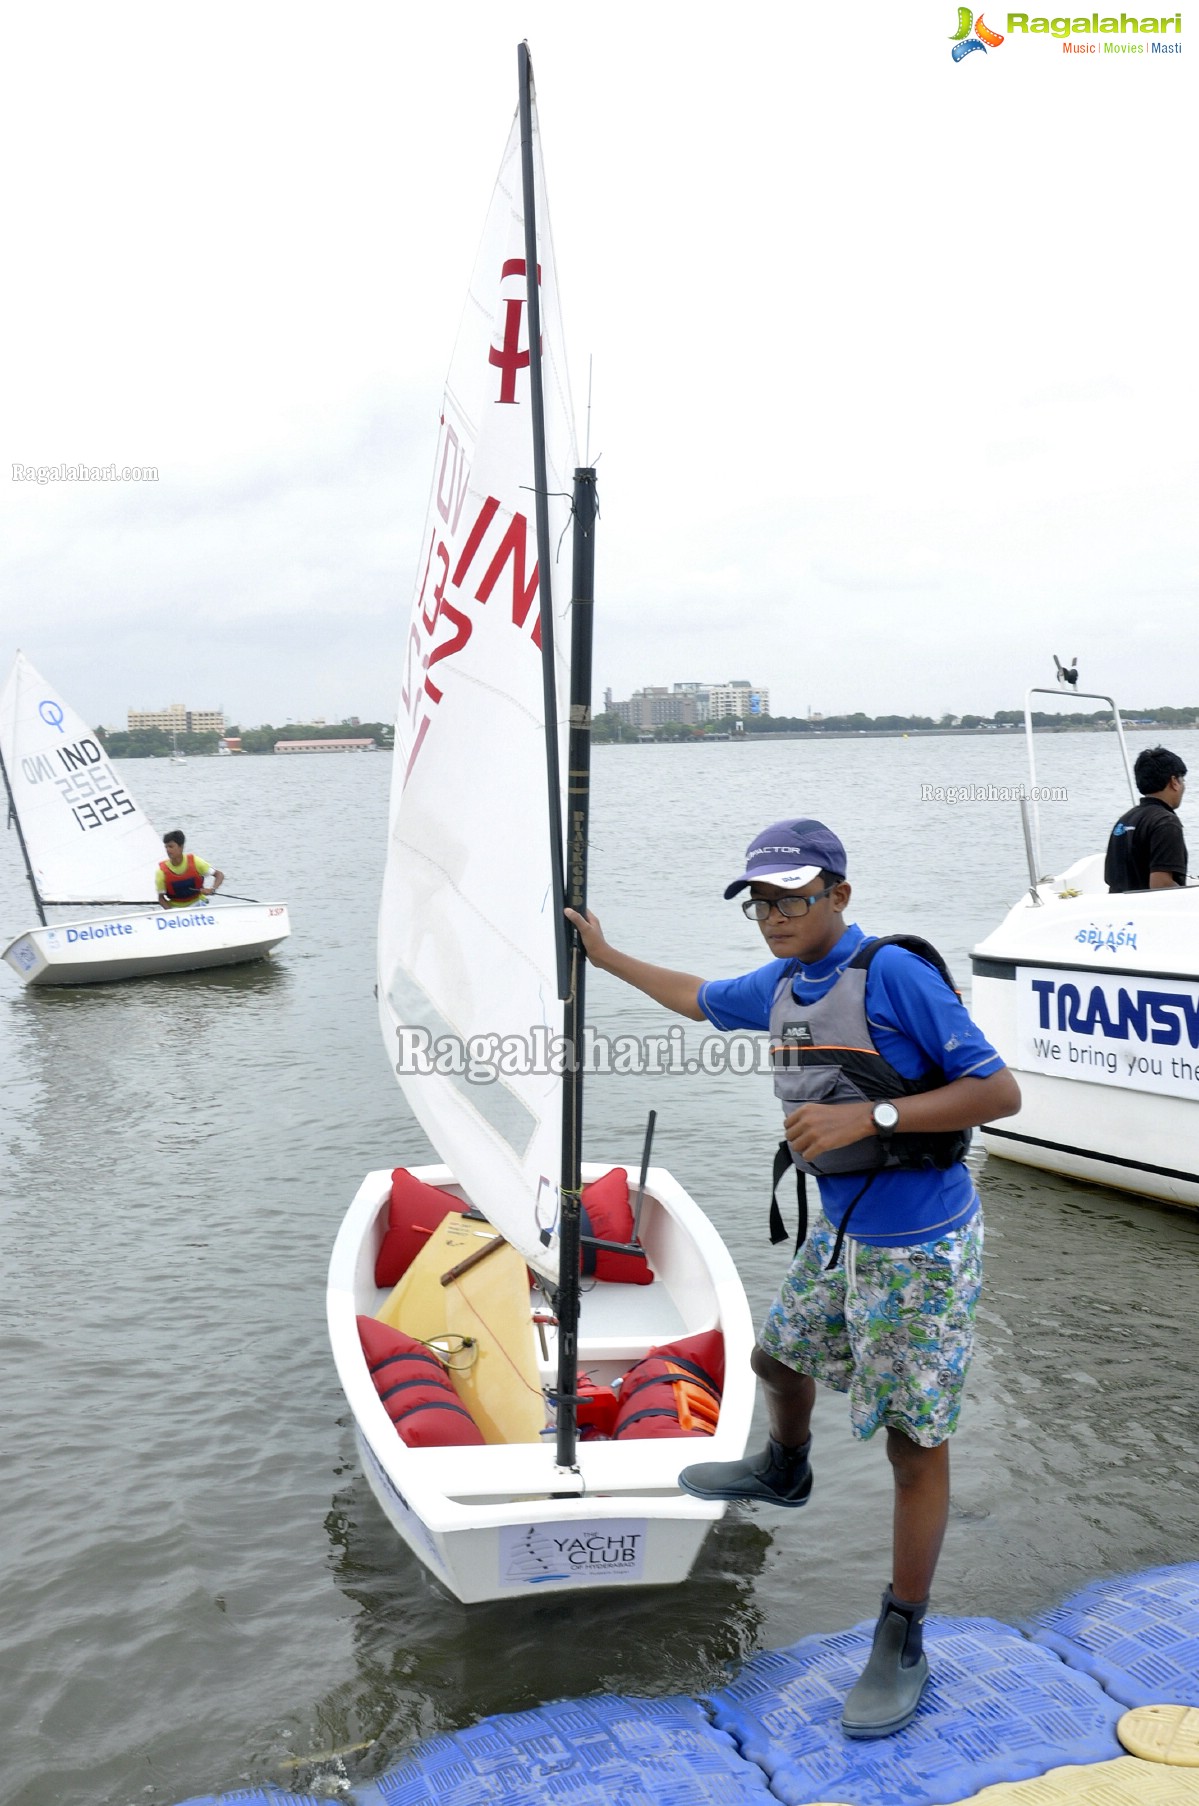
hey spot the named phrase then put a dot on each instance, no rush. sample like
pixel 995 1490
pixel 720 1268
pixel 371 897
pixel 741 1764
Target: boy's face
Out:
pixel 809 936
pixel 174 851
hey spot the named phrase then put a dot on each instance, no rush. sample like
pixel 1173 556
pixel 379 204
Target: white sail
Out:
pixel 466 929
pixel 86 837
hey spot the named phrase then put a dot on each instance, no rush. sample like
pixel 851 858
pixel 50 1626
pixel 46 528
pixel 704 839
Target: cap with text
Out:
pixel 789 854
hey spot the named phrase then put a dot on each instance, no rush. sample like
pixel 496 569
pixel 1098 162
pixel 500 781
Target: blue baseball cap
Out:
pixel 790 853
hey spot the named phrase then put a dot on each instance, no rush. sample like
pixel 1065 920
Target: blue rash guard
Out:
pixel 917 1023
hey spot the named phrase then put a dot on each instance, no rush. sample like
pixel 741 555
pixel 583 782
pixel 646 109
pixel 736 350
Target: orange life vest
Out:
pixel 184 886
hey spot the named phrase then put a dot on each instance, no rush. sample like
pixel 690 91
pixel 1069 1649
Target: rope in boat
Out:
pixel 538 1391
pixel 465 1345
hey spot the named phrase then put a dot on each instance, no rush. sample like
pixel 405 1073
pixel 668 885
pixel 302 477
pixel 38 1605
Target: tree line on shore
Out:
pixel 157 743
pixel 610 728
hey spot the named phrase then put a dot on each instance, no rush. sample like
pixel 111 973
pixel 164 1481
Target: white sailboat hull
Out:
pixel 145 943
pixel 1118 1108
pixel 472 1514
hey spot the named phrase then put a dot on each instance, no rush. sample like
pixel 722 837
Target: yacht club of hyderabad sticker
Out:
pixel 1090 34
pixel 578 1554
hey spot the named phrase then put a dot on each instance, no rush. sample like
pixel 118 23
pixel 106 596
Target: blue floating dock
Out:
pixel 1137 1636
pixel 257 1796
pixel 997 1708
pixel 596 1752
pixel 1002 1706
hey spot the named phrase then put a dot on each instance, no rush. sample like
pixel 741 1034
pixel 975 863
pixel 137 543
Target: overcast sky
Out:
pixel 894 358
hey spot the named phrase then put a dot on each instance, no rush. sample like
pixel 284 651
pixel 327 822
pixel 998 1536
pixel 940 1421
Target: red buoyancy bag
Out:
pixel 674 1391
pixel 413 1214
pixel 608 1215
pixel 417 1392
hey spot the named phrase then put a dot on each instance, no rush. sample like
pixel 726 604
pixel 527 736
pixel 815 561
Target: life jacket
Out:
pixel 185 886
pixel 825 1053
pixel 417 1392
pixel 674 1391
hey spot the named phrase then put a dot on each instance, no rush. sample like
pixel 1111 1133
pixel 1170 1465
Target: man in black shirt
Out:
pixel 1146 850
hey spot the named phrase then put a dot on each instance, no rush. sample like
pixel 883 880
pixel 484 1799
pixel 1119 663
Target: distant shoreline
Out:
pixel 895 733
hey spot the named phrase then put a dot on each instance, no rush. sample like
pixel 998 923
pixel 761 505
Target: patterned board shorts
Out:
pixel 893 1327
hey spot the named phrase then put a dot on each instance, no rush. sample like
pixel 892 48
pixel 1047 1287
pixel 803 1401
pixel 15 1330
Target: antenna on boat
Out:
pixel 1032 810
pixel 587 451
pixel 540 497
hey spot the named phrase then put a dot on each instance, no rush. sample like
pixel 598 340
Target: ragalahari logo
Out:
pixel 972 34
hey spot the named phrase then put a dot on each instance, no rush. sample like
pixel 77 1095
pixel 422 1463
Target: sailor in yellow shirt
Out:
pixel 180 877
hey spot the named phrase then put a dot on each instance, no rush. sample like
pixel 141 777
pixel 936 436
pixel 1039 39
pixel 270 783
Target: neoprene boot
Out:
pixel 777 1476
pixel 888 1692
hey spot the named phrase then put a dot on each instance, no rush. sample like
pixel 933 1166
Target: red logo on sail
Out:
pixel 508 357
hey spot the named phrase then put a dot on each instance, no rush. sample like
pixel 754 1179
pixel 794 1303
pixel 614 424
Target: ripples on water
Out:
pixel 200 1591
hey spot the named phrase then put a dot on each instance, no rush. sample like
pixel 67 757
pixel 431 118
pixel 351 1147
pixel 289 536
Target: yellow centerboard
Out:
pixel 489 1304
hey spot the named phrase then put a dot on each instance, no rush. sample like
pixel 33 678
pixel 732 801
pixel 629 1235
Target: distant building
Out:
pixel 693 704
pixel 324 746
pixel 178 720
pixel 739 698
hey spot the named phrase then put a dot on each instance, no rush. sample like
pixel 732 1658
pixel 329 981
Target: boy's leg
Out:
pixel 921 1513
pixel 781 1474
pixel 888 1692
pixel 804 1328
pixel 789 1399
pixel 911 1315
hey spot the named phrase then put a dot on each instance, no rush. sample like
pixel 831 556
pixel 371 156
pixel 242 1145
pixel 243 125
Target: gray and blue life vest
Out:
pixel 825 1053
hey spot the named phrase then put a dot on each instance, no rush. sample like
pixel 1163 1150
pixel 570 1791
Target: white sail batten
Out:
pixel 467 969
pixel 86 838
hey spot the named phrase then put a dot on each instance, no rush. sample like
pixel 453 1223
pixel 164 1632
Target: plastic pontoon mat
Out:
pixel 1027 1718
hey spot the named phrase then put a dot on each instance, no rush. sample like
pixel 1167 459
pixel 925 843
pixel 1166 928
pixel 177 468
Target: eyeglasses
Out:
pixel 758 908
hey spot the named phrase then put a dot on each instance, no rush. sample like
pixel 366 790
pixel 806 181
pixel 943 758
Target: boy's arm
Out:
pixel 913 1000
pixel 816 1129
pixel 678 991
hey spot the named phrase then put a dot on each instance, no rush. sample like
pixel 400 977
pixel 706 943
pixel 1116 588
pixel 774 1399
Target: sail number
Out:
pixel 105 809
pixel 89 788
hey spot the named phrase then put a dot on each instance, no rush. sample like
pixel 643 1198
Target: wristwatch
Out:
pixel 886 1119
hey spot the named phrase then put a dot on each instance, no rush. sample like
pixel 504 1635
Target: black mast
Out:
pixel 578 763
pixel 569 873
pixel 544 584
pixel 15 821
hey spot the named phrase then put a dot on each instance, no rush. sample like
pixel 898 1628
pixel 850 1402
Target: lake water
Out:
pixel 200 1592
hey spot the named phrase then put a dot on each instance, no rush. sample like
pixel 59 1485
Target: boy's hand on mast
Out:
pixel 590 933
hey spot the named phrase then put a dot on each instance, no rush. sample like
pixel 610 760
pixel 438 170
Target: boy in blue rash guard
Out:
pixel 881 1072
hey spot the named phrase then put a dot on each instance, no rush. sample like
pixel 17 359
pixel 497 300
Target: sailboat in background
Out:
pixel 86 843
pixel 517 1432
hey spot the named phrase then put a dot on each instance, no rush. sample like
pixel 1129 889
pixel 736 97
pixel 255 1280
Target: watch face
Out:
pixel 885 1116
